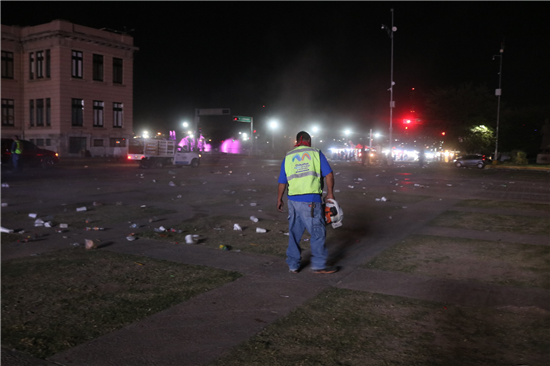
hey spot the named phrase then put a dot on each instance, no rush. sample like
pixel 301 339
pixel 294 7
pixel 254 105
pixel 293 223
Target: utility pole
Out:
pixel 392 83
pixel 498 92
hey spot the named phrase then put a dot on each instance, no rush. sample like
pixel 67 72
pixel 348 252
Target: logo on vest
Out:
pixel 304 155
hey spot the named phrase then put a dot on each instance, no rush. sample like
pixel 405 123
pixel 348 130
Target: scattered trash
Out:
pixel 5 185
pixel 119 203
pixel 305 239
pixel 191 239
pixel 4 204
pixel 63 226
pixel 225 247
pixel 254 218
pixel 141 264
pixel 4 230
pixel 503 185
pixel 130 238
pixel 98 204
pixel 80 209
pixel 75 244
pixel 48 224
pixel 219 228
pixel 237 227
pixel 171 184
pixel 179 196
pixel 260 230
pixel 383 199
pixel 95 228
pixel 134 226
pixel 449 185
pixel 38 222
pixel 336 191
pixel 154 180
pixel 350 186
pixel 390 217
pixel 359 179
pixel 252 204
pixel 404 206
pixel 171 172
pixel 33 215
pixel 90 244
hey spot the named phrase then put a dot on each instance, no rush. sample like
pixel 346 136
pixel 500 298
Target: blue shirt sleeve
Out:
pixel 282 174
pixel 325 166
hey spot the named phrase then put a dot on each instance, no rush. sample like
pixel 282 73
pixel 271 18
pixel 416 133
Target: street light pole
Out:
pixel 392 83
pixel 498 92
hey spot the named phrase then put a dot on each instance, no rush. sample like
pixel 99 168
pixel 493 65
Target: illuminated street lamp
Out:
pixel 314 129
pixel 273 126
pixel 145 134
pixel 185 124
pixel 392 83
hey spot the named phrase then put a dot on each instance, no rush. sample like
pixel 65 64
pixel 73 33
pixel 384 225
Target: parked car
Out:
pixel 472 160
pixel 32 155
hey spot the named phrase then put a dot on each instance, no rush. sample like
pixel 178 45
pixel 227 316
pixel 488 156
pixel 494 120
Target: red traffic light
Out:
pixel 235 118
pixel 254 131
pixel 442 133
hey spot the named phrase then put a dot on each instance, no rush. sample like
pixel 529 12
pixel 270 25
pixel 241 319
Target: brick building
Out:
pixel 68 88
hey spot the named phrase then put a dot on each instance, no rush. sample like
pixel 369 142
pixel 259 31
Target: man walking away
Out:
pixel 16 150
pixel 303 170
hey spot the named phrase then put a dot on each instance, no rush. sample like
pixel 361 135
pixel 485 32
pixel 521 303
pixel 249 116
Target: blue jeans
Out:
pixel 15 161
pixel 299 218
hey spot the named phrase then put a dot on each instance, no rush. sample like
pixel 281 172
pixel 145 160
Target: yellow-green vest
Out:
pixel 18 149
pixel 303 171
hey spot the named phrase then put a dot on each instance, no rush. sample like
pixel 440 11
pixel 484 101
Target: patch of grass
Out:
pixel 519 265
pixel 505 205
pixel 493 222
pixel 56 301
pixel 344 327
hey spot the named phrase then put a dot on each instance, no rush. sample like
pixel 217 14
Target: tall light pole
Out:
pixel 392 83
pixel 498 92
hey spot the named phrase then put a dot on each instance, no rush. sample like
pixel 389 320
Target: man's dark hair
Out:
pixel 303 135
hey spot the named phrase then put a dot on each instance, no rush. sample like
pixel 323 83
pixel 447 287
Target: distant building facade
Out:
pixel 68 88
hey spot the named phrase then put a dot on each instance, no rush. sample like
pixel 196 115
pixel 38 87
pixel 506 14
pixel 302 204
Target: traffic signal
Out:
pixel 442 133
pixel 235 118
pixel 254 131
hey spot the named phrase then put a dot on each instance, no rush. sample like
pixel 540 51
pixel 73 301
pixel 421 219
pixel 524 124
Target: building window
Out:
pixel 98 67
pixel 39 64
pixel 77 112
pixel 98 142
pixel 48 142
pixel 48 58
pixel 31 65
pixel 98 113
pixel 117 142
pixel 40 112
pixel 39 142
pixel 117 70
pixel 7 112
pixel 7 65
pixel 31 112
pixel 48 112
pixel 117 115
pixel 77 64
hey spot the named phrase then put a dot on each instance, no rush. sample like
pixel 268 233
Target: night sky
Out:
pixel 326 63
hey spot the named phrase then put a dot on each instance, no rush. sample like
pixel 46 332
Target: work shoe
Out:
pixel 325 270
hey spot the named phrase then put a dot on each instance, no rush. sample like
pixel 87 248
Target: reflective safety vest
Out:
pixel 18 149
pixel 303 171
